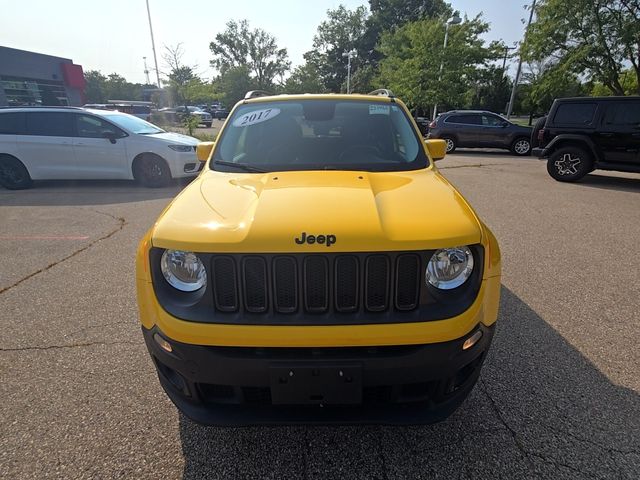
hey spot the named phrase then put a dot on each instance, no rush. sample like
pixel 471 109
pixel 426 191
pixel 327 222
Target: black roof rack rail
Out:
pixel 256 94
pixel 382 92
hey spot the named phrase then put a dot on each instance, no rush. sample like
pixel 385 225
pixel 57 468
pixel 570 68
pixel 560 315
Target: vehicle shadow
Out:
pixel 87 192
pixel 541 409
pixel 611 182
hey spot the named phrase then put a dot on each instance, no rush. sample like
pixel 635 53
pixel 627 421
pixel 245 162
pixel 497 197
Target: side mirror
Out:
pixel 504 124
pixel 437 148
pixel 203 150
pixel 111 136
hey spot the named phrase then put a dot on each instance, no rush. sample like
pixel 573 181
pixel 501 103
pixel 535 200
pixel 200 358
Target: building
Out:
pixel 28 78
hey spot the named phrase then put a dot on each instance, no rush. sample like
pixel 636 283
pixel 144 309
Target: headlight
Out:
pixel 181 148
pixel 183 270
pixel 450 267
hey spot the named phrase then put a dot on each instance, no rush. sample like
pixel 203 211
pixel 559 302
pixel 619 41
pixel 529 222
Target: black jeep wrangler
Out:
pixel 584 134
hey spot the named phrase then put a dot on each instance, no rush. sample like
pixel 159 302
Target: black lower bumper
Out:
pixel 408 384
pixel 538 152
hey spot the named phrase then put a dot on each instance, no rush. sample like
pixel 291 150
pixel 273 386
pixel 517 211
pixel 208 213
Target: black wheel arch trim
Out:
pixel 559 140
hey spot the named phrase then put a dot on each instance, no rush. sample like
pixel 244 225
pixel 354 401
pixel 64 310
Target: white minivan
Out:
pixel 70 143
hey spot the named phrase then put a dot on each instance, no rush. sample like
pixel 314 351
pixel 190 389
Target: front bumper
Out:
pixel 405 384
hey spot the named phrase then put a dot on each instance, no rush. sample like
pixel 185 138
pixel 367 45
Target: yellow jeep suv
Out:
pixel 319 270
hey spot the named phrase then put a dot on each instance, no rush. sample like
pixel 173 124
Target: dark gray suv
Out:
pixel 475 128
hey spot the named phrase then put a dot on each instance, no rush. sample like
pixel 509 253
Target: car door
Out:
pixel 464 127
pixel 493 131
pixel 619 134
pixel 47 148
pixel 100 148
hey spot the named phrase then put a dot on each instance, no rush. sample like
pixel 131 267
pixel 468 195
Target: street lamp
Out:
pixel 455 20
pixel 349 55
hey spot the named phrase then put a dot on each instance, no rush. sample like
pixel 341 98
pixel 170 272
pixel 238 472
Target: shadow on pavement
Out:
pixel 540 410
pixel 87 192
pixel 611 182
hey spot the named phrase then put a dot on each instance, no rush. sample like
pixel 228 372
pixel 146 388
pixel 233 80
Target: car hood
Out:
pixel 177 138
pixel 362 211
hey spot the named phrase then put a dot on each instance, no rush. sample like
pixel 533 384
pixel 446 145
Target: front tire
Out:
pixel 569 164
pixel 13 174
pixel 521 147
pixel 208 124
pixel 152 171
pixel 451 144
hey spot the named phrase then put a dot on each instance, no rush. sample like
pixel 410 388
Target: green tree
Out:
pixel 342 31
pixel 95 86
pixel 387 15
pixel 179 75
pixel 547 81
pixel 304 79
pixel 255 51
pixel 592 37
pixel 490 90
pixel 233 83
pixel 413 55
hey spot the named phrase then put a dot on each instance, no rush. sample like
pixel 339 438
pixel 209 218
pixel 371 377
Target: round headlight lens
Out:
pixel 183 270
pixel 450 267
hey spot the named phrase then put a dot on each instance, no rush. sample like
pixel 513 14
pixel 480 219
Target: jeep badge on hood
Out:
pixel 327 240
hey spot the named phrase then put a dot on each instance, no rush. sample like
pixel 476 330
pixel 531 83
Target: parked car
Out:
pixel 220 113
pixel 588 133
pixel 43 143
pixel 139 109
pixel 423 124
pixel 320 269
pixel 480 129
pixel 177 114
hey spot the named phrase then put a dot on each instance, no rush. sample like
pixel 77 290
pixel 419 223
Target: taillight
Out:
pixel 541 134
pixel 432 124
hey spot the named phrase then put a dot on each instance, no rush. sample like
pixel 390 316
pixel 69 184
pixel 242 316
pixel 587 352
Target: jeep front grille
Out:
pixel 342 283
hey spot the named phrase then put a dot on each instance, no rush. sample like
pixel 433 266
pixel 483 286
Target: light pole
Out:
pixel 515 82
pixel 455 20
pixel 153 45
pixel 349 55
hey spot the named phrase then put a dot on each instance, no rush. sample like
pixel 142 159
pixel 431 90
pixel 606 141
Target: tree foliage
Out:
pixel 102 88
pixel 588 37
pixel 341 32
pixel 254 51
pixel 413 55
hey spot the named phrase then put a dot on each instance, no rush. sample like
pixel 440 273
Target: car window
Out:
pixel 465 119
pixel 50 124
pixel 88 126
pixel 321 135
pixel 12 123
pixel 134 124
pixel 623 114
pixel 492 121
pixel 575 113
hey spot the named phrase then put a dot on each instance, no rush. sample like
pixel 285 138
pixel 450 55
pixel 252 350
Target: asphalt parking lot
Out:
pixel 558 397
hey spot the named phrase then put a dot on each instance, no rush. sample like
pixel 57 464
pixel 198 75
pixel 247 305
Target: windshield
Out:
pixel 134 124
pixel 194 109
pixel 318 135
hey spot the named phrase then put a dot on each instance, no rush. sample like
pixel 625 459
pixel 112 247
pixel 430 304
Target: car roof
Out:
pixel 596 99
pixel 469 111
pixel 28 108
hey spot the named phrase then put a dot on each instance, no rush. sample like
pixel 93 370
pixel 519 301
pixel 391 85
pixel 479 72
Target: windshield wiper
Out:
pixel 240 166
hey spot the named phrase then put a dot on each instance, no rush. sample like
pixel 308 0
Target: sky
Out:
pixel 113 36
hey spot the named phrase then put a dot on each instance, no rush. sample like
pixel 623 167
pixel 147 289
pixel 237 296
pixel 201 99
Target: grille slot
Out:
pixel 225 284
pixel 316 284
pixel 407 281
pixel 285 284
pixel 255 284
pixel 346 283
pixel 377 283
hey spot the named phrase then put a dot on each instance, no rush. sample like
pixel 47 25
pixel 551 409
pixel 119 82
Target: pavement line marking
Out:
pixel 43 237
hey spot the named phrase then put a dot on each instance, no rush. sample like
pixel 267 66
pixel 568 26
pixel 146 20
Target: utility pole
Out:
pixel 349 56
pixel 515 83
pixel 506 54
pixel 146 70
pixel 153 46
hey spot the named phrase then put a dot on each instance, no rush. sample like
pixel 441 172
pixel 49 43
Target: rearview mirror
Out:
pixel 437 148
pixel 203 150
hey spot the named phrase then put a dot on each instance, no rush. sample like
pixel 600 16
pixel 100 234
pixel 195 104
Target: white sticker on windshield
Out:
pixel 257 116
pixel 379 109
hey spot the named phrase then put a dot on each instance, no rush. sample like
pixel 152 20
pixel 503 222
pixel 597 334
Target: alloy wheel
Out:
pixel 522 147
pixel 568 164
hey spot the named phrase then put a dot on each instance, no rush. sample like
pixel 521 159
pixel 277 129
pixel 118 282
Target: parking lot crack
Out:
pixel 120 225
pixel 474 165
